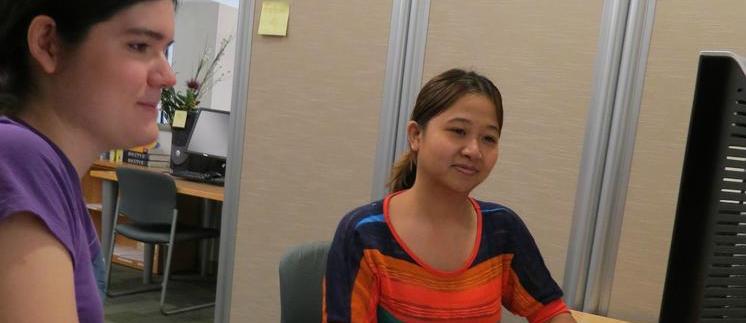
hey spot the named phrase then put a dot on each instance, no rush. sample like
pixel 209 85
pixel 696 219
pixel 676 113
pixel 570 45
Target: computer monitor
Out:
pixel 209 137
pixel 706 277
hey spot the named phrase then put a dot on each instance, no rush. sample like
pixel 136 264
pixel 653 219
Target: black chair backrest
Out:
pixel 146 197
pixel 302 270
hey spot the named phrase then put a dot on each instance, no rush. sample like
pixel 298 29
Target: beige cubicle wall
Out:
pixel 311 131
pixel 681 30
pixel 541 56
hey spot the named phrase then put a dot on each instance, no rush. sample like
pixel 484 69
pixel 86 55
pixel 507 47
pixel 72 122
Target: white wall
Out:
pixel 232 3
pixel 201 24
pixel 227 20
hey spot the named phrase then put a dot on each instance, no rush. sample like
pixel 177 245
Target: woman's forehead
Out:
pixel 470 109
pixel 148 18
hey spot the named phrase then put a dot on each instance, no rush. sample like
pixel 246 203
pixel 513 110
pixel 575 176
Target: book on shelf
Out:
pixel 149 163
pixel 116 155
pixel 146 156
pixel 156 151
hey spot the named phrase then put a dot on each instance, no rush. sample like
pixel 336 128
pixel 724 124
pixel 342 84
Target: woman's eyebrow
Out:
pixel 141 31
pixel 469 122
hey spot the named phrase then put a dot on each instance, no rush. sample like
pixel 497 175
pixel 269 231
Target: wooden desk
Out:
pixel 582 317
pixel 106 171
pixel 207 191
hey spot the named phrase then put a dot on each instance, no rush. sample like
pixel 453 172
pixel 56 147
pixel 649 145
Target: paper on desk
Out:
pixel 273 20
pixel 179 119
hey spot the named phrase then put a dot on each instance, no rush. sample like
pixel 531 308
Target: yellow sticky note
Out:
pixel 179 119
pixel 273 20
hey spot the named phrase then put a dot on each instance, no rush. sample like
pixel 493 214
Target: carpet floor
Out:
pixel 145 307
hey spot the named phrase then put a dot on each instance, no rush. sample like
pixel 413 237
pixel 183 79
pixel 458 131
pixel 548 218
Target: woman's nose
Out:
pixel 163 76
pixel 472 149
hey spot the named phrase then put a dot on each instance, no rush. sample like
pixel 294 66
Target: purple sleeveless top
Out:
pixel 36 177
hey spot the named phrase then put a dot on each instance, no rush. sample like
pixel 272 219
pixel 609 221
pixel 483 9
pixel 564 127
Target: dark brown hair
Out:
pixel 439 94
pixel 74 18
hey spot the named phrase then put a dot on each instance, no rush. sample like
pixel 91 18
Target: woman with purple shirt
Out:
pixel 77 78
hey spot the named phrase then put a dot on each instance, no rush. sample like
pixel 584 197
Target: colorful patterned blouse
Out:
pixel 372 276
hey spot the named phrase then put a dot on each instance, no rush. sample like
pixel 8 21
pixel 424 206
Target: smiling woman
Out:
pixel 428 251
pixel 76 78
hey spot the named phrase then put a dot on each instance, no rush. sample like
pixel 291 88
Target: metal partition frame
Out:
pixel 389 119
pixel 598 128
pixel 235 161
pixel 619 155
pixel 624 42
pixel 406 55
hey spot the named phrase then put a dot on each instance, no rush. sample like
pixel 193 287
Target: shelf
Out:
pixel 94 207
pixel 131 256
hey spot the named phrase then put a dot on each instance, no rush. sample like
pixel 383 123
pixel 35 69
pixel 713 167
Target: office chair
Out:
pixel 148 199
pixel 302 270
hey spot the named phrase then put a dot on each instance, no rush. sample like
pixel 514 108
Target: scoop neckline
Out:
pixel 467 263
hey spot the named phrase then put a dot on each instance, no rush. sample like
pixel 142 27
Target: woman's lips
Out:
pixel 466 169
pixel 148 105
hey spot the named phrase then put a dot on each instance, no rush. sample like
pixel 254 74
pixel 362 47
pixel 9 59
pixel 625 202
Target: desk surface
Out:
pixel 105 170
pixel 582 317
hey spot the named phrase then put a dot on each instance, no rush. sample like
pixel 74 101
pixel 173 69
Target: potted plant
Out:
pixel 187 100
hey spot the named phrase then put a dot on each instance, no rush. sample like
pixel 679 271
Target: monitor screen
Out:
pixel 209 136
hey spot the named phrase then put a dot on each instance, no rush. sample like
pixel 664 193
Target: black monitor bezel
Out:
pixel 194 127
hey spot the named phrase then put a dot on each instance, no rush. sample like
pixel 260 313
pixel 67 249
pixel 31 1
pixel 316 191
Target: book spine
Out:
pixel 119 155
pixel 135 154
pixel 146 156
pixel 136 161
pixel 148 163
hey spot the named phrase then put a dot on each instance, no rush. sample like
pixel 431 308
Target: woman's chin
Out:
pixel 147 136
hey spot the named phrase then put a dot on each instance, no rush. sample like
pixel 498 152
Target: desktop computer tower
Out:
pixel 179 141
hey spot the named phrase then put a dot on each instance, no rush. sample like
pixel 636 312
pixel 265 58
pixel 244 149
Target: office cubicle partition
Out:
pixel 311 116
pixel 313 108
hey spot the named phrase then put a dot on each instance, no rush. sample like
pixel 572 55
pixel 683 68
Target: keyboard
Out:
pixel 199 177
pixel 220 181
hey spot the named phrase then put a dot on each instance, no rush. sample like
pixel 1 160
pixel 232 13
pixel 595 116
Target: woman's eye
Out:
pixel 139 47
pixel 458 131
pixel 490 139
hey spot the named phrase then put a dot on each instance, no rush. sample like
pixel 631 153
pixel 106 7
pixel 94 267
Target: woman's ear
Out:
pixel 43 43
pixel 414 135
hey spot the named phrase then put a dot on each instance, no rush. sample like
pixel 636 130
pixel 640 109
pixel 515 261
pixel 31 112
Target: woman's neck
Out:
pixel 438 229
pixel 73 141
pixel 438 204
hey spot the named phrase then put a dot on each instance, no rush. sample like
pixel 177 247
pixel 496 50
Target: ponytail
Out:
pixel 403 173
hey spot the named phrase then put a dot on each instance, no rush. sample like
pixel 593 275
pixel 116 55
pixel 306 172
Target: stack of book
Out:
pixel 147 157
pixel 154 155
